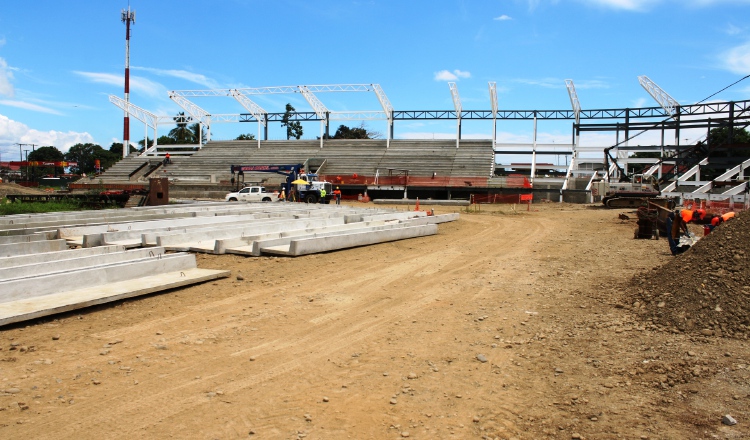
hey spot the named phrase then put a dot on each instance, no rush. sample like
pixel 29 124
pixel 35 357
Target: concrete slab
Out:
pixel 24 288
pixel 72 264
pixel 198 238
pixel 98 236
pixel 135 237
pixel 35 247
pixel 325 244
pixel 22 238
pixel 244 245
pixel 259 247
pixel 432 219
pixel 29 308
pixel 20 260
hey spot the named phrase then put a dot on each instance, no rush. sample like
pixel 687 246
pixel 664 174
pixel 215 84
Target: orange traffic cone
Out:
pixel 416 208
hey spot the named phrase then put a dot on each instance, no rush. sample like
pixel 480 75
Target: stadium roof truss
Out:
pixel 320 111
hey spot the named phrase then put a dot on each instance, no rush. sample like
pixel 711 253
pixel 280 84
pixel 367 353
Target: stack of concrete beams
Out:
pixel 261 228
pixel 33 285
pixel 55 263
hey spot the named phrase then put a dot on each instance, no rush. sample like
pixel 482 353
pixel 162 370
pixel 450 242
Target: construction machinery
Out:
pixel 626 194
pixel 299 186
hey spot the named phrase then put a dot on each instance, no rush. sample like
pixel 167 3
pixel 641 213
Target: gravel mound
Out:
pixel 704 291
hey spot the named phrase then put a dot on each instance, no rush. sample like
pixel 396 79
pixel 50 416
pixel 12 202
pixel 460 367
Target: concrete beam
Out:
pixel 271 245
pixel 24 288
pixel 244 245
pixel 35 247
pixel 23 238
pixel 30 308
pixel 20 260
pixel 324 244
pixel 183 241
pixel 73 264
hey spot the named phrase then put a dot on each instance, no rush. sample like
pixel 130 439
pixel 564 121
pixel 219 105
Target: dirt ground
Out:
pixel 508 324
pixel 13 188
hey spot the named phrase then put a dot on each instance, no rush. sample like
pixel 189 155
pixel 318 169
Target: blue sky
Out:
pixel 59 61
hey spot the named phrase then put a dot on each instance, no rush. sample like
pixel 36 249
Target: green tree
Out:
pixel 197 133
pixel 46 154
pixel 293 129
pixel 165 140
pixel 86 154
pixel 736 145
pixel 245 137
pixel 361 132
pixel 182 134
pixel 116 147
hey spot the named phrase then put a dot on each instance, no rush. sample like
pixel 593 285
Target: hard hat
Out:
pixel 686 215
pixel 337 187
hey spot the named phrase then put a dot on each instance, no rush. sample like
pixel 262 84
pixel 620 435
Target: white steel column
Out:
pixel 577 112
pixel 457 106
pixel 493 101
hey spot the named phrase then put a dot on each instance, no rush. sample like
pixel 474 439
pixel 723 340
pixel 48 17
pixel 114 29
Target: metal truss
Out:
pixel 665 101
pixel 250 106
pixel 142 115
pixel 318 107
pixel 193 110
pixel 576 105
pixel 739 108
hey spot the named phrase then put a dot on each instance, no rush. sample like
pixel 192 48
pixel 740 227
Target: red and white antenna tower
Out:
pixel 128 16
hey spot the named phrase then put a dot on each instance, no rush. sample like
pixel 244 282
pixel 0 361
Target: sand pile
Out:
pixel 704 291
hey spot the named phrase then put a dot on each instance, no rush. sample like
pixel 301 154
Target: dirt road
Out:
pixel 504 325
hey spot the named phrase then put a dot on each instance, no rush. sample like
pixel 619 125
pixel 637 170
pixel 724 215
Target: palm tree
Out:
pixel 182 133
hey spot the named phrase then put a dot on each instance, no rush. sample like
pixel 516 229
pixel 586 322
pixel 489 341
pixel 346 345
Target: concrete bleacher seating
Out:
pixel 422 158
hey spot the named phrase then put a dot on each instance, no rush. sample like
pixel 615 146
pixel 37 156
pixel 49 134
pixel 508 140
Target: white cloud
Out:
pixel 137 83
pixel 549 83
pixel 14 132
pixel 644 5
pixel 737 59
pixel 628 5
pixel 733 30
pixel 6 78
pixel 29 106
pixel 183 74
pixel 503 18
pixel 591 84
pixel 445 75
pixel 640 103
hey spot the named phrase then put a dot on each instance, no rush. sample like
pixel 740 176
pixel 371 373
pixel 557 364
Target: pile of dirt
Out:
pixel 13 188
pixel 704 291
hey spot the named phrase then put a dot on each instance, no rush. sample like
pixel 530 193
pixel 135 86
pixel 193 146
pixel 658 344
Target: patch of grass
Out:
pixel 8 208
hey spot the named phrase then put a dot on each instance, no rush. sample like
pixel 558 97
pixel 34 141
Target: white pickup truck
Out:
pixel 252 194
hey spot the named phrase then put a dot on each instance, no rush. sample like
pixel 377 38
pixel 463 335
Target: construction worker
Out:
pixel 716 221
pixel 167 159
pixel 676 224
pixel 337 195
pixel 282 195
pixel 322 195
